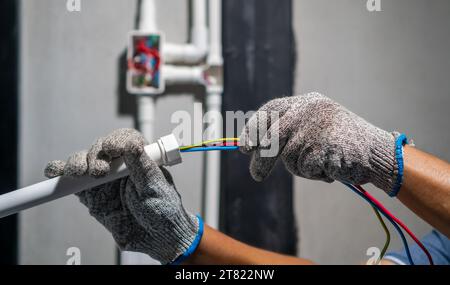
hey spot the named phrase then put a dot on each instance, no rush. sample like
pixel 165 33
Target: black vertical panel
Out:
pixel 8 123
pixel 259 60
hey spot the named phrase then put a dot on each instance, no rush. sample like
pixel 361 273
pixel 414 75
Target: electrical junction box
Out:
pixel 144 59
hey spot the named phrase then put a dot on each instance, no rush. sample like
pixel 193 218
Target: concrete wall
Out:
pixel 390 67
pixel 70 94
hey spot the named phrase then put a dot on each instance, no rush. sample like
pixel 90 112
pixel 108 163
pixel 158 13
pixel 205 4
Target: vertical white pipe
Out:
pixel 215 35
pixel 214 108
pixel 212 159
pixel 147 20
pixel 145 118
pixel 146 104
pixel 199 13
pixel 194 52
pixel 199 30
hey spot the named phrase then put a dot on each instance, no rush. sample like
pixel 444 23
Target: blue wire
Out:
pixel 210 148
pixel 400 232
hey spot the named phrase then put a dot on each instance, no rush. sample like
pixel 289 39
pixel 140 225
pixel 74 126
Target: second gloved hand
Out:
pixel 144 211
pixel 319 139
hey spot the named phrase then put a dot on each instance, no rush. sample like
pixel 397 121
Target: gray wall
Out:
pixel 69 96
pixel 392 68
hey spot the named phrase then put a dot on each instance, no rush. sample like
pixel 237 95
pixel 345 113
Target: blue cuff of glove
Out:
pixel 399 143
pixel 194 244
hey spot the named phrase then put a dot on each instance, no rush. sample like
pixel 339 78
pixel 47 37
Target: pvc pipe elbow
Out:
pixel 192 53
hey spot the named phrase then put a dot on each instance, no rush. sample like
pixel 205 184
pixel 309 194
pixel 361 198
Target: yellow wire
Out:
pixel 208 142
pixel 388 234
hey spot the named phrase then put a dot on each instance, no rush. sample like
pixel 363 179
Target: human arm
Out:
pixel 220 249
pixel 320 139
pixel 426 188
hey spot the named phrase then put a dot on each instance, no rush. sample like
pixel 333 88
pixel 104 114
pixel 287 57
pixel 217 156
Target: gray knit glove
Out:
pixel 319 139
pixel 143 212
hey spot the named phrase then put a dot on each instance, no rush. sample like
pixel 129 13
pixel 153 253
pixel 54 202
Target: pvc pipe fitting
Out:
pixel 164 152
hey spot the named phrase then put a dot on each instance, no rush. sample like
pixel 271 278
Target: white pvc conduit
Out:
pixel 163 152
pixel 214 108
pixel 183 74
pixel 194 52
pixel 145 116
pixel 215 34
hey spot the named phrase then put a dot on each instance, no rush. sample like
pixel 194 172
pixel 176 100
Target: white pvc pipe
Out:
pixel 146 104
pixel 146 116
pixel 183 53
pixel 195 52
pixel 199 30
pixel 183 74
pixel 147 20
pixel 212 173
pixel 215 34
pixel 199 13
pixel 163 152
pixel 214 108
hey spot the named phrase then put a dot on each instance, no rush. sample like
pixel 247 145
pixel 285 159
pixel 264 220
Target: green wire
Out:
pixel 386 230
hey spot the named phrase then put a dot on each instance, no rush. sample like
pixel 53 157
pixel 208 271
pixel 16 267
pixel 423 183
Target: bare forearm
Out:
pixel 426 188
pixel 217 248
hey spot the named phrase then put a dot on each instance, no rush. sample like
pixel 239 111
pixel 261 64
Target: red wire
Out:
pixel 141 47
pixel 398 221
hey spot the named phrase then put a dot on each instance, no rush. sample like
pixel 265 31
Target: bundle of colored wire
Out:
pixel 222 144
pixel 402 236
pixel 398 221
pixel 394 220
pixel 221 148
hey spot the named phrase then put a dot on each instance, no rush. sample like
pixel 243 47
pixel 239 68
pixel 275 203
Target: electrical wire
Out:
pixel 398 221
pixel 211 148
pixel 386 230
pixel 228 144
pixel 206 143
pixel 402 236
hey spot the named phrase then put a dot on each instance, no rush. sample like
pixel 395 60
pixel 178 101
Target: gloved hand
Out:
pixel 143 211
pixel 319 139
